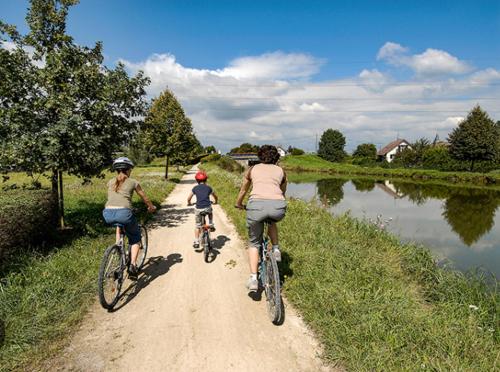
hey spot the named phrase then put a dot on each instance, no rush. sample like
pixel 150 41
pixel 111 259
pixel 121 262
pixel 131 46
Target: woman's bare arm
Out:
pixel 142 194
pixel 284 183
pixel 245 186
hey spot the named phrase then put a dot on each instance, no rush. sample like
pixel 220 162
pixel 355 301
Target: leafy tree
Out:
pixel 365 150
pixel 245 148
pixel 331 146
pixel 210 149
pixel 62 110
pixel 168 132
pixel 296 151
pixel 331 191
pixel 475 138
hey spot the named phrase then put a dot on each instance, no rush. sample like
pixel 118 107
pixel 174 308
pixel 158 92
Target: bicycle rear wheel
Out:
pixel 273 289
pixel 110 277
pixel 206 246
pixel 143 249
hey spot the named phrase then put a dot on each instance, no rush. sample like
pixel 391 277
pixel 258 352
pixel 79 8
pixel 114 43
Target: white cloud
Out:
pixel 248 101
pixel 432 62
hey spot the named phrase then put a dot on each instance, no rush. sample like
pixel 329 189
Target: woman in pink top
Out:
pixel 267 201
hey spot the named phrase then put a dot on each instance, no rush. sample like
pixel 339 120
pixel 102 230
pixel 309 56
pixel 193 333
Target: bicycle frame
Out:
pixel 264 255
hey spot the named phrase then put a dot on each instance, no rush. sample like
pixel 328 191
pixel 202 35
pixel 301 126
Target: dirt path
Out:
pixel 187 315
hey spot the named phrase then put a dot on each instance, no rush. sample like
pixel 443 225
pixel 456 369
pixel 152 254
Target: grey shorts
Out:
pixel 198 215
pixel 259 210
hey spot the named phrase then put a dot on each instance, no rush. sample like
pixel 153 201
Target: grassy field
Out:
pixel 45 293
pixel 313 163
pixel 374 303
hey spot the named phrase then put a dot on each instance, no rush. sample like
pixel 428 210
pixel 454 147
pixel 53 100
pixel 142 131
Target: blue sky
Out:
pixel 307 43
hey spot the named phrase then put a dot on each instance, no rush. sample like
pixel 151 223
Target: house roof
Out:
pixel 391 146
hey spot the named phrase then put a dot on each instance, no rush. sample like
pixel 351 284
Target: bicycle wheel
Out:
pixel 110 277
pixel 143 249
pixel 206 246
pixel 273 288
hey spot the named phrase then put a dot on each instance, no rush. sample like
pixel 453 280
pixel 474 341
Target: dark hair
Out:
pixel 268 154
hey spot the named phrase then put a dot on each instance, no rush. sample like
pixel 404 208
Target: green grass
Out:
pixel 377 304
pixel 313 163
pixel 45 293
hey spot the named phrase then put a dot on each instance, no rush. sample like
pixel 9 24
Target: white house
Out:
pixel 281 151
pixel 389 151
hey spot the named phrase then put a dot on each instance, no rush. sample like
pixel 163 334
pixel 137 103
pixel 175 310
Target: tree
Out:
pixel 475 138
pixel 331 145
pixel 210 149
pixel 62 109
pixel 365 150
pixel 168 132
pixel 296 151
pixel 245 148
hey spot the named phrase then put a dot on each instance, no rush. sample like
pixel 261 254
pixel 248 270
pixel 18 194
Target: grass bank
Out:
pixel 313 163
pixel 374 303
pixel 45 293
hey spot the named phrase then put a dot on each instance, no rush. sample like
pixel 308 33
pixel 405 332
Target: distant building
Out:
pixel 281 151
pixel 389 151
pixel 245 159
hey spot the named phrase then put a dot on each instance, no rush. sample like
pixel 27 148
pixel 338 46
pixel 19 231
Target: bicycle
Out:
pixel 268 276
pixel 115 263
pixel 205 240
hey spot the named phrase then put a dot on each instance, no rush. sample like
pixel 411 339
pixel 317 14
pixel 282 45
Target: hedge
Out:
pixel 27 218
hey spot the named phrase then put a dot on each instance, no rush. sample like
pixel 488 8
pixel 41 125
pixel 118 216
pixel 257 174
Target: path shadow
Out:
pixel 256 295
pixel 169 216
pixel 153 268
pixel 189 181
pixel 217 244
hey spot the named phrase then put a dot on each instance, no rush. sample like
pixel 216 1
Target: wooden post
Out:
pixel 166 168
pixel 61 200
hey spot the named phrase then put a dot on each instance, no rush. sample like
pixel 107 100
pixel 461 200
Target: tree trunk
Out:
pixel 472 166
pixel 166 168
pixel 61 200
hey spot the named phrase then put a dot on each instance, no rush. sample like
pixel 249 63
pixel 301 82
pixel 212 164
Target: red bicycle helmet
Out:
pixel 201 176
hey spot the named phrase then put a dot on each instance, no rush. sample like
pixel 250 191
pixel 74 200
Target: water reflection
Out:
pixel 456 222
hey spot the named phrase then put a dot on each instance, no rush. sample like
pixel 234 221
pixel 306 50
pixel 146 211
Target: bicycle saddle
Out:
pixel 118 225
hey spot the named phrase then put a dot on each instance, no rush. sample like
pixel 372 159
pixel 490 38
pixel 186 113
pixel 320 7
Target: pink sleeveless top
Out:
pixel 266 182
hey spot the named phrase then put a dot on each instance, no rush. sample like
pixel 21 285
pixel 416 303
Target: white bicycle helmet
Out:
pixel 122 163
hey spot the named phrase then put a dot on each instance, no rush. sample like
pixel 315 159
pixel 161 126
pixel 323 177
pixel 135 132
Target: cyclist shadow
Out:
pixel 217 244
pixel 152 269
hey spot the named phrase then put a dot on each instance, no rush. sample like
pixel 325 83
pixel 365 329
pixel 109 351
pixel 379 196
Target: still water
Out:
pixel 459 224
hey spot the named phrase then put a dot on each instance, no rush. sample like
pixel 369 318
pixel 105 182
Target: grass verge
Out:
pixel 374 303
pixel 45 293
pixel 313 163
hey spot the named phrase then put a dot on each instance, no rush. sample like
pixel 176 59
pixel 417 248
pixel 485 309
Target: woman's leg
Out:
pixel 134 252
pixel 253 258
pixel 273 233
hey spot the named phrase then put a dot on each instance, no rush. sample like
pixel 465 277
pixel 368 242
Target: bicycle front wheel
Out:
pixel 143 249
pixel 273 289
pixel 110 277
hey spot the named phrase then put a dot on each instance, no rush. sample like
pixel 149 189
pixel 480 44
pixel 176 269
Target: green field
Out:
pixel 374 303
pixel 313 163
pixel 45 293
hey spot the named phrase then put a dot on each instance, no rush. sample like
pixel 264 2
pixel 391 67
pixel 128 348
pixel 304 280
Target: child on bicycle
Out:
pixel 118 209
pixel 203 204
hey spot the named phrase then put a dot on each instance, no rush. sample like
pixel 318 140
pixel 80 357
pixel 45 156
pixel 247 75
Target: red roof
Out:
pixel 391 146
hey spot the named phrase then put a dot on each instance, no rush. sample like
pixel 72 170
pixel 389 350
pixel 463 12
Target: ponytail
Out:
pixel 119 180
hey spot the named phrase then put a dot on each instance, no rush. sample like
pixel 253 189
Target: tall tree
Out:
pixel 475 138
pixel 331 145
pixel 168 132
pixel 71 113
pixel 365 150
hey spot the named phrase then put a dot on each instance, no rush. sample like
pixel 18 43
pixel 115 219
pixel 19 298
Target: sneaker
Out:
pixel 212 227
pixel 277 254
pixel 196 244
pixel 252 284
pixel 133 272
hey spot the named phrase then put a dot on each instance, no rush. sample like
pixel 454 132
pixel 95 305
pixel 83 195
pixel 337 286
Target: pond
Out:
pixel 457 223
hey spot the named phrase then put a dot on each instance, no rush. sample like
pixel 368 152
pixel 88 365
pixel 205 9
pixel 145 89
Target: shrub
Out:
pixel 229 164
pixel 364 161
pixel 295 151
pixel 27 217
pixel 210 158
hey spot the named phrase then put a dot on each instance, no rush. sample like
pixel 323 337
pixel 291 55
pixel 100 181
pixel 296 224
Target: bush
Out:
pixel 229 164
pixel 27 217
pixel 295 151
pixel 365 161
pixel 211 157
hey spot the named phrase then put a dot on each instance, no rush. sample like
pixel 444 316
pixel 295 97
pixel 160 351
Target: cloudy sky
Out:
pixel 282 72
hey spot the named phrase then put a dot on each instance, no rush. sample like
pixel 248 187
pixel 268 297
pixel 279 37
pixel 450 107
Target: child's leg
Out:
pixel 211 218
